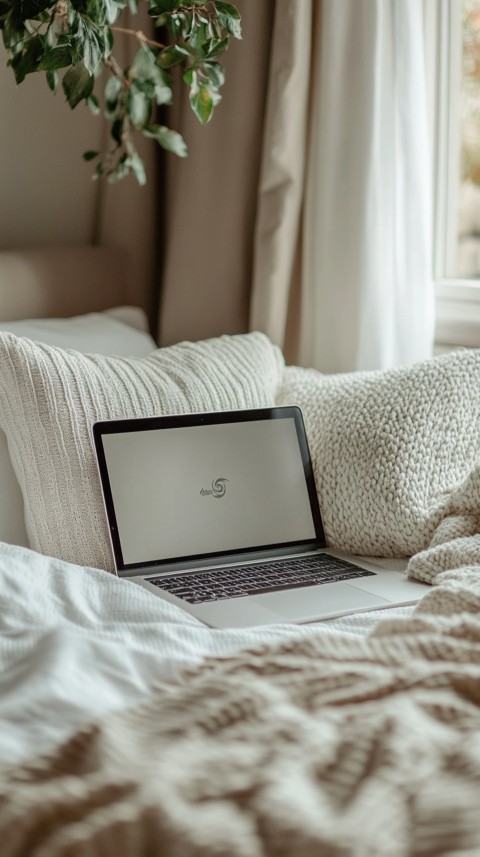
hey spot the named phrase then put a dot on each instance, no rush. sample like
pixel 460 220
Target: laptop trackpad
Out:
pixel 319 602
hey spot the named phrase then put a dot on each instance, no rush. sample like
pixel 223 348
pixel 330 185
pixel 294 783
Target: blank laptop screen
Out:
pixel 204 489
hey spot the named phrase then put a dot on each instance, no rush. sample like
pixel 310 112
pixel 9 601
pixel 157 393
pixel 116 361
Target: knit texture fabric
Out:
pixel 395 455
pixel 51 398
pixel 327 745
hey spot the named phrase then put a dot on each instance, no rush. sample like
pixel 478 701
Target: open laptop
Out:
pixel 218 513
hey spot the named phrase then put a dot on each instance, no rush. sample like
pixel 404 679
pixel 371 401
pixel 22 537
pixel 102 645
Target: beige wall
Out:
pixel 45 189
pixel 46 192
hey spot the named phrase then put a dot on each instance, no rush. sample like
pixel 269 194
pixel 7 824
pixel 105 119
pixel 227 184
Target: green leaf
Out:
pixel 163 93
pixel 170 140
pixel 116 131
pixel 113 88
pixel 144 64
pixel 137 167
pixel 172 55
pixel 215 73
pixel 91 47
pixel 139 107
pixel 90 155
pixel 188 76
pixel 93 104
pixel 198 38
pixel 111 11
pixel 119 171
pixel 144 70
pixel 203 97
pixel 202 104
pixel 77 84
pixel 58 57
pixel 52 80
pixel 217 47
pixel 230 18
pixel 228 9
pixel 28 59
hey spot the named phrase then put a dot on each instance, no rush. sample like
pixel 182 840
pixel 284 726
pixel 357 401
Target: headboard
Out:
pixel 61 281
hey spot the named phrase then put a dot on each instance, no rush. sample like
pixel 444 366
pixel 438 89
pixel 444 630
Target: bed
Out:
pixel 130 728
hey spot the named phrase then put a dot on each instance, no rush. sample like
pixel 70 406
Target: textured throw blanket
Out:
pixel 327 745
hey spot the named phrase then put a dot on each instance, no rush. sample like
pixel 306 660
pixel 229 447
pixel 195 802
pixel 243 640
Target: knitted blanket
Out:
pixel 324 745
pixel 396 457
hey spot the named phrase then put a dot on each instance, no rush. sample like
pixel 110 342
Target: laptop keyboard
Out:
pixel 241 580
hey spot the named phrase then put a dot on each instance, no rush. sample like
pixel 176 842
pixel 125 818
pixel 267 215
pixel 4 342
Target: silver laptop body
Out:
pixel 218 513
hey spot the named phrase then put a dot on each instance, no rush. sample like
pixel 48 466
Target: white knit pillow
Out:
pixel 388 446
pixel 50 398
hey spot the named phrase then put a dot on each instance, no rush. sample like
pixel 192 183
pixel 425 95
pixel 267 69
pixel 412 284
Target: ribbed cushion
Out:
pixel 121 331
pixel 50 398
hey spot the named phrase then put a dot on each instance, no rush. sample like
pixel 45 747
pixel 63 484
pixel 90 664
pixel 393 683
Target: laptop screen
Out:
pixel 185 487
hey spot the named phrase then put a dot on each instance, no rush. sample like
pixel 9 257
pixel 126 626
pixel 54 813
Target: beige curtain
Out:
pixel 276 284
pixel 210 198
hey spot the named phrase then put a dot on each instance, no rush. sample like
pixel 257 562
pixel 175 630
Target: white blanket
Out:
pixel 77 643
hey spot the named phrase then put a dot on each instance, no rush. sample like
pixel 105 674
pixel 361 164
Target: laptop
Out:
pixel 218 513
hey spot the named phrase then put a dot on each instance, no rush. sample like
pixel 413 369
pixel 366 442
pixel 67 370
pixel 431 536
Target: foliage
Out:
pixel 74 40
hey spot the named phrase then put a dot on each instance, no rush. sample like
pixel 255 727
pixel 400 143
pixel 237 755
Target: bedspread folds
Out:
pixel 456 539
pixel 323 744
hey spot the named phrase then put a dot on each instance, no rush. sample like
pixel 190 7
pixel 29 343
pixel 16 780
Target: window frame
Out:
pixel 457 299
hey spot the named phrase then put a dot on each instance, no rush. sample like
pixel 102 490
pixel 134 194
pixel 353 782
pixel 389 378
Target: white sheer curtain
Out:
pixel 363 269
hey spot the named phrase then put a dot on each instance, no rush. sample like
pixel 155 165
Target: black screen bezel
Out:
pixel 105 427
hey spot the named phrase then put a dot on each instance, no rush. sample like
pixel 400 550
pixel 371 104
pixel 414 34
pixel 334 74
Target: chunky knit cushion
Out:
pixel 49 399
pixel 389 447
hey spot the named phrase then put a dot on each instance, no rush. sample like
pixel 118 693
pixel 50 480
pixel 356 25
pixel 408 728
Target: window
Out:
pixel 457 186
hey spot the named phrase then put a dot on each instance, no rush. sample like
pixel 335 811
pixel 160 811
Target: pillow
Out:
pixel 122 330
pixel 388 446
pixel 51 398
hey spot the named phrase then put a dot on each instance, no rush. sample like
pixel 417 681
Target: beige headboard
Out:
pixel 61 281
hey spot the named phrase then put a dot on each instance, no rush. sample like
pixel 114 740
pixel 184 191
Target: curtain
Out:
pixel 363 286
pixel 367 298
pixel 306 210
pixel 210 198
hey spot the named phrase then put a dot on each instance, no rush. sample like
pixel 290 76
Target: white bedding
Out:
pixel 77 643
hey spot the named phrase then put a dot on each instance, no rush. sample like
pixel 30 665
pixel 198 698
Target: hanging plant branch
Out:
pixel 73 42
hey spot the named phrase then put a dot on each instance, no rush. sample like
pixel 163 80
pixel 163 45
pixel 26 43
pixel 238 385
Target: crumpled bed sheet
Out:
pixel 77 643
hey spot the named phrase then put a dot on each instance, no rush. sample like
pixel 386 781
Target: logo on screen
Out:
pixel 218 489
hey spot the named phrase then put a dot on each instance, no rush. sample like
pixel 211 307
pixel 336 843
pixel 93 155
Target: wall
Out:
pixel 45 189
pixel 46 192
